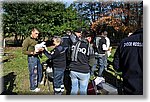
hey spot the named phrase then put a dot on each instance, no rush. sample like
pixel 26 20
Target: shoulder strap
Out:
pixel 75 51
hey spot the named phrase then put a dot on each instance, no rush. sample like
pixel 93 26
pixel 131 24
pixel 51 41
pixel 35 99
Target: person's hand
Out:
pixel 52 47
pixel 40 49
pixel 33 53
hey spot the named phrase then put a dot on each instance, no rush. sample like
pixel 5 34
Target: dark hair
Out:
pixel 33 29
pixel 79 30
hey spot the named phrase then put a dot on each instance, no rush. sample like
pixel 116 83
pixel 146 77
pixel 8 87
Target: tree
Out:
pixel 51 18
pixel 121 17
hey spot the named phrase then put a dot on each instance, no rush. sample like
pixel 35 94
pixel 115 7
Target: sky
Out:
pixel 68 2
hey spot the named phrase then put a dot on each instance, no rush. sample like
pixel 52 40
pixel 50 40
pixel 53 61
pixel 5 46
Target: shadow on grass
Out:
pixel 112 79
pixel 7 57
pixel 8 84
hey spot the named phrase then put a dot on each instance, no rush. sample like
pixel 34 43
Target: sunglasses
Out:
pixel 36 33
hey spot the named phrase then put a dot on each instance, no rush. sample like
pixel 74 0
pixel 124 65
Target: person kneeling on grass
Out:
pixel 58 57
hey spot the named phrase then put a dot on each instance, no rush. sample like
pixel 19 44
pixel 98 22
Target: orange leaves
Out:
pixel 109 21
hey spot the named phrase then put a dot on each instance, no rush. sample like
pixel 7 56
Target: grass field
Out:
pixel 16 75
pixel 15 72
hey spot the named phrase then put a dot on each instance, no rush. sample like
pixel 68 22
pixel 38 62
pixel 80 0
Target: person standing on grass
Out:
pixel 128 59
pixel 66 43
pixel 101 52
pixel 58 57
pixel 107 48
pixel 79 66
pixel 34 65
pixel 92 60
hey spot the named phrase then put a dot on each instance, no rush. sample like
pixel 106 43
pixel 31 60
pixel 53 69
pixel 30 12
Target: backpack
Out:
pixel 101 45
pixel 92 88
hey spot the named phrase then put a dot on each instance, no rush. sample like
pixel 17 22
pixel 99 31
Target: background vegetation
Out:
pixel 53 18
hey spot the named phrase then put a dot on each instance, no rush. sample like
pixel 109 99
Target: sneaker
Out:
pixel 36 90
pixel 41 83
pixel 62 88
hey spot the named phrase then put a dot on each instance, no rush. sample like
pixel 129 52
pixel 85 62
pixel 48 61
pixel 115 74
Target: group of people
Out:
pixel 77 52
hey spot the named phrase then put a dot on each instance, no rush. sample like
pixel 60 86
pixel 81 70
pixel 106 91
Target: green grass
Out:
pixel 110 67
pixel 17 68
pixel 111 57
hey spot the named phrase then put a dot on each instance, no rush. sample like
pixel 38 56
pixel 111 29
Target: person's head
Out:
pixel 57 40
pixel 105 33
pixel 78 32
pixel 100 32
pixel 35 33
pixel 89 38
pixel 68 32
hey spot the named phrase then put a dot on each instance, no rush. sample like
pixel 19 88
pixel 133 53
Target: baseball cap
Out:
pixel 78 30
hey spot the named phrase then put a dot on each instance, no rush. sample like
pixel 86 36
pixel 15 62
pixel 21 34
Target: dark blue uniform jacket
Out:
pixel 129 60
